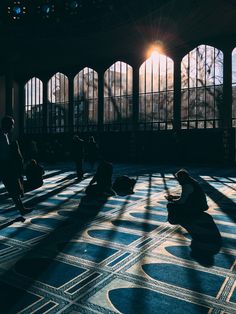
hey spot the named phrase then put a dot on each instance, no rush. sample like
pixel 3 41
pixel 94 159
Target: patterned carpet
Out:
pixel 74 255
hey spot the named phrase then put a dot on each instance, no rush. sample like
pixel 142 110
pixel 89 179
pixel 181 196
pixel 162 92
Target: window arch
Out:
pixel 156 77
pixel 202 87
pixel 118 89
pixel 33 111
pixel 234 87
pixel 86 100
pixel 58 101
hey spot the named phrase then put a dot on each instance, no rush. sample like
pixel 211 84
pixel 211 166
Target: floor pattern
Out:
pixel 74 255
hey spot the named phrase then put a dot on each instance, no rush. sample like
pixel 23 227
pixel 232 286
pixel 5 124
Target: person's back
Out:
pixel 123 185
pixel 77 149
pixel 92 149
pixel 196 200
pixel 103 180
pixel 34 174
pixel 104 174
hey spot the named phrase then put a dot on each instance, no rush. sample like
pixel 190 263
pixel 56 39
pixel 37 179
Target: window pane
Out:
pixel 33 113
pixel 156 76
pixel 202 87
pixel 85 100
pixel 118 86
pixel 58 98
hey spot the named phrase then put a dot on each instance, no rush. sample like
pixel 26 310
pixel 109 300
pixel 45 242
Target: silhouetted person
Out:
pixel 32 150
pixel 123 185
pixel 101 184
pixel 34 175
pixel 49 153
pixel 17 162
pixel 92 152
pixel 8 160
pixel 188 210
pixel 77 152
pixel 192 200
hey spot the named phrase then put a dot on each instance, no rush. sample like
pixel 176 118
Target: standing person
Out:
pixel 92 152
pixel 77 152
pixel 8 171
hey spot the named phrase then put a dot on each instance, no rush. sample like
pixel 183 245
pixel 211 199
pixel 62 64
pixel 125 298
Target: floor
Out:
pixel 74 255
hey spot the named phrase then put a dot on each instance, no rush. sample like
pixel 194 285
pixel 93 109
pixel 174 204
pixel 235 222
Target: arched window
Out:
pixel 33 113
pixel 156 76
pixel 86 100
pixel 118 85
pixel 58 97
pixel 202 87
pixel 234 87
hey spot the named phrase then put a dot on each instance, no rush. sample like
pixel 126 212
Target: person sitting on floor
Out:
pixel 34 175
pixel 188 210
pixel 191 202
pixel 123 185
pixel 103 180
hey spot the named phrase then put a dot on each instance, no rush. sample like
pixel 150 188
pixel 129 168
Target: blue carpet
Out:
pixel 47 222
pixel 220 260
pixel 140 301
pixel 113 236
pixel 87 251
pixel 185 278
pixel 149 216
pixel 13 300
pixel 134 225
pixel 21 234
pixel 76 255
pixel 46 271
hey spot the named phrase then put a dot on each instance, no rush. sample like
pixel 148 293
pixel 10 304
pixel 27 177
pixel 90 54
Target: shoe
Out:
pixel 21 219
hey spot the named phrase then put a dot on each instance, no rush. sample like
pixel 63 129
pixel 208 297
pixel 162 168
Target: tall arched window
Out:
pixel 58 97
pixel 33 113
pixel 86 100
pixel 202 87
pixel 234 87
pixel 156 76
pixel 118 85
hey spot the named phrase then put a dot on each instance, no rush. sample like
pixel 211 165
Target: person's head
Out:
pixel 7 124
pixel 91 139
pixel 182 176
pixel 76 138
pixel 32 162
pixel 105 167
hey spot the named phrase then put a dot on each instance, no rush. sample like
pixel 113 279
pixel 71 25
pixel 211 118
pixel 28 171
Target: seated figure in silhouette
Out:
pixel 190 203
pixel 124 185
pixel 188 210
pixel 34 175
pixel 101 184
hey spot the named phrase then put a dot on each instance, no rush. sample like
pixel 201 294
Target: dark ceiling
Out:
pixel 106 29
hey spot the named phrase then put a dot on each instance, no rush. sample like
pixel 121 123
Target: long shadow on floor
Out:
pixel 72 225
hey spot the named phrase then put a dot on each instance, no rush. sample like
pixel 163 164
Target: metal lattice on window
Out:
pixel 202 88
pixel 234 87
pixel 86 100
pixel 156 77
pixel 118 86
pixel 33 111
pixel 58 103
